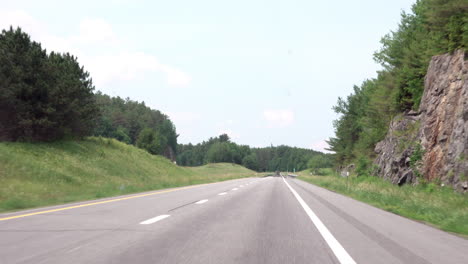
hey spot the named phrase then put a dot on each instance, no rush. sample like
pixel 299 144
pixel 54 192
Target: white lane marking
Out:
pixel 75 249
pixel 223 193
pixel 241 186
pixel 336 247
pixel 235 189
pixel 154 219
pixel 202 201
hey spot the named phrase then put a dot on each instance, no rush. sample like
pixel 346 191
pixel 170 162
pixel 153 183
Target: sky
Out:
pixel 264 72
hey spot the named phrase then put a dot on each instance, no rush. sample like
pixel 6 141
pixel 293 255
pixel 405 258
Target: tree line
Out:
pixel 49 96
pixel 135 123
pixel 433 27
pixel 273 158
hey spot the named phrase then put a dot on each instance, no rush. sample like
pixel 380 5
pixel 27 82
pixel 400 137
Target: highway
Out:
pixel 250 220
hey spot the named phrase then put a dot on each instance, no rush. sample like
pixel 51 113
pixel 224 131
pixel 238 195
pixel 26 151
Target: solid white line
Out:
pixel 340 253
pixel 154 220
pixel 202 201
pixel 235 189
pixel 223 193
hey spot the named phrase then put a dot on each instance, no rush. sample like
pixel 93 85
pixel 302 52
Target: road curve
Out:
pixel 252 220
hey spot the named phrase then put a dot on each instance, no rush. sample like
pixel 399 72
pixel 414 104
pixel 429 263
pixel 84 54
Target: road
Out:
pixel 251 220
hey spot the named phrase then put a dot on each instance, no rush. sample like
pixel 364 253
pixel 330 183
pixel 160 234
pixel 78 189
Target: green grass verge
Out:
pixel 39 174
pixel 438 206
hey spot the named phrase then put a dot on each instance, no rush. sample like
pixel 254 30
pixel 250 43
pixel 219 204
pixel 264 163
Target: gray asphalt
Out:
pixel 261 222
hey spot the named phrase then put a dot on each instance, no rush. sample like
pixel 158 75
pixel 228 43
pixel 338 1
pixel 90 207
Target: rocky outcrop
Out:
pixel 433 143
pixel 395 151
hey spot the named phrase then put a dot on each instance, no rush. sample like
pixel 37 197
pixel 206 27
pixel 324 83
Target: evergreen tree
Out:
pixel 42 97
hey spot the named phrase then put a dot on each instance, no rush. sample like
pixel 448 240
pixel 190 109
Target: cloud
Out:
pixel 321 146
pixel 225 123
pixel 20 18
pixel 279 117
pixel 128 66
pixel 184 117
pixel 92 36
pixel 175 77
pixel 96 30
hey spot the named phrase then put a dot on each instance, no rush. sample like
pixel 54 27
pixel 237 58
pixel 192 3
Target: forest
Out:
pixel 273 158
pixel 433 27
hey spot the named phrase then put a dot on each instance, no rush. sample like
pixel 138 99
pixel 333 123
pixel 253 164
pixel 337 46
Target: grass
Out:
pixel 438 206
pixel 40 174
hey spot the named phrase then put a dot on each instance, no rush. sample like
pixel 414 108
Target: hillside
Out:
pixel 37 174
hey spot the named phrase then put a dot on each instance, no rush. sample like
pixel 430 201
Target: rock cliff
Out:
pixel 431 144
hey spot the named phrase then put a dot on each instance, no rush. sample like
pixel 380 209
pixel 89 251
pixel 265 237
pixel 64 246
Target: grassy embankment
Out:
pixel 437 206
pixel 40 174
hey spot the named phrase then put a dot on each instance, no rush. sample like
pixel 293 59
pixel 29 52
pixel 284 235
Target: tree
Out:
pixel 318 162
pixel 125 119
pixel 151 141
pixel 224 138
pixel 219 152
pixel 250 162
pixel 43 97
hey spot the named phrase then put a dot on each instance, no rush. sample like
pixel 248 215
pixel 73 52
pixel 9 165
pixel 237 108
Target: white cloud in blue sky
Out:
pixel 265 72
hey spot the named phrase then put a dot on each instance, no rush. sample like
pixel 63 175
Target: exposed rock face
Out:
pixel 394 152
pixel 440 127
pixel 444 123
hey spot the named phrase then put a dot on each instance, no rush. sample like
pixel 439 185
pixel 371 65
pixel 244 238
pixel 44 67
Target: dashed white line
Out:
pixel 154 220
pixel 202 201
pixel 340 253
pixel 235 189
pixel 223 193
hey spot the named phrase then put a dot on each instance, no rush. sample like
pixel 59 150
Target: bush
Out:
pixel 120 135
pixel 363 167
pixel 151 141
pixel 250 162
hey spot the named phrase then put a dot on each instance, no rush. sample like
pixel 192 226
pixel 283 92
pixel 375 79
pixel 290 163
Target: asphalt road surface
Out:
pixel 252 220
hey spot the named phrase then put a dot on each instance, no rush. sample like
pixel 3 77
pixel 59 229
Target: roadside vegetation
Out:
pixel 40 174
pixel 432 204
